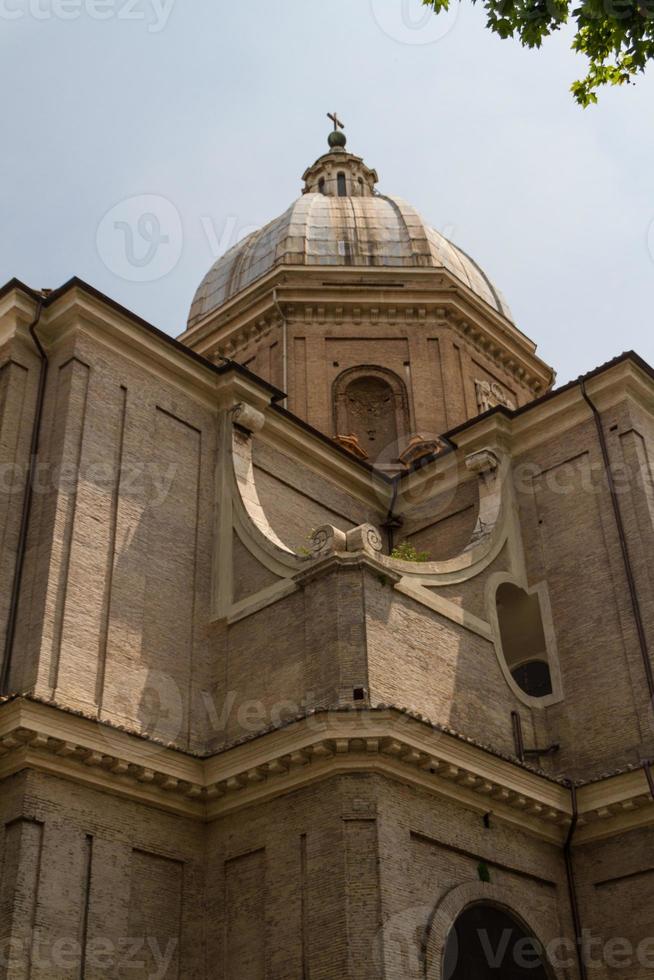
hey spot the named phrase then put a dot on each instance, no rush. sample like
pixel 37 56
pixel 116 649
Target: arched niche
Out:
pixel 371 403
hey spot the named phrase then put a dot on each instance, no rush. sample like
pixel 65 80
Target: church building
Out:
pixel 327 629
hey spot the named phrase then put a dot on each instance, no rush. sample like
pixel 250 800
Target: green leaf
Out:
pixel 615 36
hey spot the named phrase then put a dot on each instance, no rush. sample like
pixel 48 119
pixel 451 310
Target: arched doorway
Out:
pixel 488 943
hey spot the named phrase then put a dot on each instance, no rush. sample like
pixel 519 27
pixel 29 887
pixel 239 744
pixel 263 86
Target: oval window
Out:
pixel 523 639
pixel 534 678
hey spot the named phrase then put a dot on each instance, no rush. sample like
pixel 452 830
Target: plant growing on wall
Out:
pixel 406 552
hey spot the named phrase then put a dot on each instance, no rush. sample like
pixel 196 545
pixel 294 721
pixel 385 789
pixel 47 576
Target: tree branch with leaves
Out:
pixel 617 36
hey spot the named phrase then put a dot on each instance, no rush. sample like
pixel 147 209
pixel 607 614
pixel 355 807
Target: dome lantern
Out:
pixel 338 173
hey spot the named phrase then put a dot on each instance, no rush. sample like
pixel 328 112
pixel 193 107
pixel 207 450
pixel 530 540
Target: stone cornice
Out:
pixel 614 804
pixel 535 423
pixel 383 741
pixel 78 310
pixel 339 158
pixel 410 298
pixel 81 309
pixel 623 381
pixel 46 739
pixel 17 309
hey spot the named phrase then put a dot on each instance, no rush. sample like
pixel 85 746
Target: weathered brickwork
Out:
pixel 239 738
pixel 94 876
pixel 617 892
pixel 571 543
pixel 18 381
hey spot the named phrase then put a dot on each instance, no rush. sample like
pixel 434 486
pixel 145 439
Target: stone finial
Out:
pixel 247 418
pixel 366 537
pixel 325 540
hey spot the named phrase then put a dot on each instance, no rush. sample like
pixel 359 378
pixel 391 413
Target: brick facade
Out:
pixel 239 739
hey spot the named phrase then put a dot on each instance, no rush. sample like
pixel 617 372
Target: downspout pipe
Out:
pixel 392 522
pixel 624 547
pixel 572 884
pixel 518 739
pixel 284 346
pixel 647 766
pixel 28 497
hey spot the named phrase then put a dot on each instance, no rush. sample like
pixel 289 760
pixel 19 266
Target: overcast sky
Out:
pixel 205 113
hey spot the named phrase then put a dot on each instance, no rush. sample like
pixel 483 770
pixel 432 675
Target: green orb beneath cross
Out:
pixel 337 139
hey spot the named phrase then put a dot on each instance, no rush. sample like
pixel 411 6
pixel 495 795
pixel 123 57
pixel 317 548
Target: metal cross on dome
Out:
pixel 337 122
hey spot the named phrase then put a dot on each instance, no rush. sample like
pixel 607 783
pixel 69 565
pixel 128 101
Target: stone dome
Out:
pixel 340 221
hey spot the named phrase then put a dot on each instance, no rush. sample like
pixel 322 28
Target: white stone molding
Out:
pixel 239 511
pixel 43 738
pixel 247 489
pixel 486 465
pixel 616 801
pixel 414 589
pixel 497 526
pixel 483 461
pixel 327 540
pixel 490 533
pixel 497 529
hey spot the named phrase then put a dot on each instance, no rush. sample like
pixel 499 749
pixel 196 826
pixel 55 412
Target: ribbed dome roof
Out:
pixel 362 231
